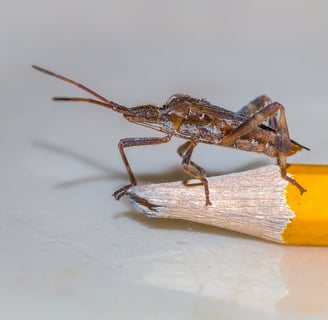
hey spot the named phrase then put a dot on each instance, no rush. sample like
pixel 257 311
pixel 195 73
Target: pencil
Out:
pixel 256 202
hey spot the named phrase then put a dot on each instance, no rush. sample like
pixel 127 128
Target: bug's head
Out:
pixel 145 115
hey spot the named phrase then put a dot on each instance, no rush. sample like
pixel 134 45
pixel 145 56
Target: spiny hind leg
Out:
pixel 255 105
pixel 283 166
pixel 282 141
pixel 284 149
pixel 258 104
pixel 190 167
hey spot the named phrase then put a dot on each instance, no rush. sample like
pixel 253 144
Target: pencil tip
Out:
pixel 149 209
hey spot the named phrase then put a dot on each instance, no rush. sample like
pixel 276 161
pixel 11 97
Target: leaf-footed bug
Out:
pixel 198 121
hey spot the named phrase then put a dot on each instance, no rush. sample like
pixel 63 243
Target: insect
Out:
pixel 198 121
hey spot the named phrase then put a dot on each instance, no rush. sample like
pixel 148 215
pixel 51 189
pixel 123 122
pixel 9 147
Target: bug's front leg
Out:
pixel 133 142
pixel 282 140
pixel 185 151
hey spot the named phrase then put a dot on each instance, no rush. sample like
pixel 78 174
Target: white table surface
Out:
pixel 68 250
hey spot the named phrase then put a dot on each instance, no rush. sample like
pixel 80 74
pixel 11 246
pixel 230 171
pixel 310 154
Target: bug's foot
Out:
pixel 208 202
pixel 298 186
pixel 295 183
pixel 121 192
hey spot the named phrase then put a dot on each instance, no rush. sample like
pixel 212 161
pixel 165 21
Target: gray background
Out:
pixel 68 250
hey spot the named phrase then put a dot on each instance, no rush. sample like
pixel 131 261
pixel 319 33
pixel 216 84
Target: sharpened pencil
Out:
pixel 256 202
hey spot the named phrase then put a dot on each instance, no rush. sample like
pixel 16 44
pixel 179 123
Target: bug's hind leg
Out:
pixel 282 142
pixel 258 104
pixel 255 105
pixel 281 159
pixel 185 152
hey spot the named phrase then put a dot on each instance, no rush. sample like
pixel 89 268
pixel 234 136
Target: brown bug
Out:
pixel 198 121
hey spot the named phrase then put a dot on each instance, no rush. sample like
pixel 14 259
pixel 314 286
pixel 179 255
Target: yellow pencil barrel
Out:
pixel 310 224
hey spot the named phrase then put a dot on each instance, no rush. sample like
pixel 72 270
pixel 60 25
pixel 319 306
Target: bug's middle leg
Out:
pixel 185 151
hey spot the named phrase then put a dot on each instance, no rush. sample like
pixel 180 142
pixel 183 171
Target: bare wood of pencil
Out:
pixel 255 202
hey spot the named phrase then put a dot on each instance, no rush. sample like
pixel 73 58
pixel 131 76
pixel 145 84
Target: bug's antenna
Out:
pixel 109 104
pixel 104 102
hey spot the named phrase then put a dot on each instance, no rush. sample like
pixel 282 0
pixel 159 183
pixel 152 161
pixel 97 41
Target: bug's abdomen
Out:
pixel 206 133
pixel 203 128
pixel 258 140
